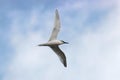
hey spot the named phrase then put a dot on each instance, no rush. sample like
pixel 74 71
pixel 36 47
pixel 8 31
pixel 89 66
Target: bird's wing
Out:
pixel 60 54
pixel 56 28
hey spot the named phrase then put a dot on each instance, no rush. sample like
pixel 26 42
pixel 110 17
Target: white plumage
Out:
pixel 53 43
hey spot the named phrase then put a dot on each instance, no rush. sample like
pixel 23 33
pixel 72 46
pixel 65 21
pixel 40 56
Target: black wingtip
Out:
pixel 65 64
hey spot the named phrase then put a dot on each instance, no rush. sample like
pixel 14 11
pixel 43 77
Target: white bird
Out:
pixel 53 43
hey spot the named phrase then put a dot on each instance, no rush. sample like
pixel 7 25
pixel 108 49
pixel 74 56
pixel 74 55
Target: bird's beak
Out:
pixel 66 43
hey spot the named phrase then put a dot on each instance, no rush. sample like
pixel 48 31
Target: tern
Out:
pixel 53 43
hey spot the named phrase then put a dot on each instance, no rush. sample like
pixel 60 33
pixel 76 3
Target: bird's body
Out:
pixel 53 43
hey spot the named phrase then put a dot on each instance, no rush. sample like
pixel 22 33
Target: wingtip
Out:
pixel 56 11
pixel 65 66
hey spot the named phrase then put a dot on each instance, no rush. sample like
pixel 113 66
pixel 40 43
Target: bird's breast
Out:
pixel 54 43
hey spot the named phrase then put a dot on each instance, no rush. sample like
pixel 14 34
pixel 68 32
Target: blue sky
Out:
pixel 90 26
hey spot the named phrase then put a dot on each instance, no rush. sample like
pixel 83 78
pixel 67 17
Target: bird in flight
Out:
pixel 53 43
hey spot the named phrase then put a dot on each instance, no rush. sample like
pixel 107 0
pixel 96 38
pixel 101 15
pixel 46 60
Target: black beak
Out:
pixel 66 43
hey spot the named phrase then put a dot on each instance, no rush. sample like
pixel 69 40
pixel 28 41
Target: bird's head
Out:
pixel 64 42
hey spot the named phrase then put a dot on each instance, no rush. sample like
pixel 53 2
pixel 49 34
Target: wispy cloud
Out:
pixel 92 53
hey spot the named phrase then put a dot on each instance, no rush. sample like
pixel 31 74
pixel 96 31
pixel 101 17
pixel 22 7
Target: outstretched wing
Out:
pixel 60 54
pixel 56 28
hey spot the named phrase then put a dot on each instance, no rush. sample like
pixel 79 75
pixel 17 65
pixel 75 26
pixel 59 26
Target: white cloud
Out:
pixel 93 55
pixel 99 56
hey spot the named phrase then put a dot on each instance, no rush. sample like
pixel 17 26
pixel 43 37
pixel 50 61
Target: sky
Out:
pixel 91 27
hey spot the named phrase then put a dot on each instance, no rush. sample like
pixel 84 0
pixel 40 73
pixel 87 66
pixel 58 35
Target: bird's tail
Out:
pixel 42 45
